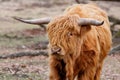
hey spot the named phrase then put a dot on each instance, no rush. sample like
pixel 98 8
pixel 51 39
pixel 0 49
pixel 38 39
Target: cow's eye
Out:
pixel 70 34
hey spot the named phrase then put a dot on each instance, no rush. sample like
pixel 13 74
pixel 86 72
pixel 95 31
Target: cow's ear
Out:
pixel 85 28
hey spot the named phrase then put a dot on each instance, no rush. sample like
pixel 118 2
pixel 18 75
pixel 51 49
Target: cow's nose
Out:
pixel 55 49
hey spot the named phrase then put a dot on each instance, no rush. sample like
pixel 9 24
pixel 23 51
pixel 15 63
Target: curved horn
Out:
pixel 89 21
pixel 34 21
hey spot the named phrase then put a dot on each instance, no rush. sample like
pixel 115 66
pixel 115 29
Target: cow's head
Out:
pixel 65 32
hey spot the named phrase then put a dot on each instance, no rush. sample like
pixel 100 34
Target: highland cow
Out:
pixel 79 41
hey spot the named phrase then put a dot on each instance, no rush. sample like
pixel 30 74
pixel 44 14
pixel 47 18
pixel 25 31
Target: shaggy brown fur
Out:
pixel 83 48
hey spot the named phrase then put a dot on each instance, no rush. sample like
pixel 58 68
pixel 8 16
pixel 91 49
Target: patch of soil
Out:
pixel 33 32
pixel 39 45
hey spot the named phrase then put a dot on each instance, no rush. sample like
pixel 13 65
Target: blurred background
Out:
pixel 23 47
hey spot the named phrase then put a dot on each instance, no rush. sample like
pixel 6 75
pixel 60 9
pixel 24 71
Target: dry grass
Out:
pixel 26 68
pixel 36 68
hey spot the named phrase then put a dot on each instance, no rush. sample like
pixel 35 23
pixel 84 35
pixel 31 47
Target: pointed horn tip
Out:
pixel 99 23
pixel 102 23
pixel 16 18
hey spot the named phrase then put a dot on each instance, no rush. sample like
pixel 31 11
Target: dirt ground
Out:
pixel 16 36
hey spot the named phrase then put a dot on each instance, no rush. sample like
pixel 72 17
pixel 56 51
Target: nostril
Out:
pixel 55 50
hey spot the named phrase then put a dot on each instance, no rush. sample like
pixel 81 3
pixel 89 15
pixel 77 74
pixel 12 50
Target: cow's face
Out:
pixel 64 35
